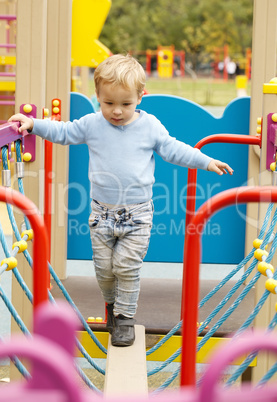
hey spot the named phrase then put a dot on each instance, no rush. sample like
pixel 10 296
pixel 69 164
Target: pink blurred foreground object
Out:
pixel 54 378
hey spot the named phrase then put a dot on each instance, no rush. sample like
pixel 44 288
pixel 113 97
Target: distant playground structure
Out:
pixel 187 206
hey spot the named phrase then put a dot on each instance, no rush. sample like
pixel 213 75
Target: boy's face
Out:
pixel 118 104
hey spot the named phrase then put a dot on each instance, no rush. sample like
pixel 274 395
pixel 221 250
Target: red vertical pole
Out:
pixel 48 146
pixel 48 151
pixel 40 249
pixel 248 64
pixel 148 62
pixel 182 63
pixel 216 61
pixel 48 168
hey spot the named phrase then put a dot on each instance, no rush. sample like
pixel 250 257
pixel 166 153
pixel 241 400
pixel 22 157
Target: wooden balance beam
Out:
pixel 126 371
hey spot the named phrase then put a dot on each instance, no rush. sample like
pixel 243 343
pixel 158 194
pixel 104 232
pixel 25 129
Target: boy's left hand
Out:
pixel 219 167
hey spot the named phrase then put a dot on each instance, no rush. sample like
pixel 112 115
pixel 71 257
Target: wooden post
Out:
pixel 263 70
pixel 58 86
pixel 30 88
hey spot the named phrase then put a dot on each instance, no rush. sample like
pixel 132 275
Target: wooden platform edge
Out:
pixel 126 369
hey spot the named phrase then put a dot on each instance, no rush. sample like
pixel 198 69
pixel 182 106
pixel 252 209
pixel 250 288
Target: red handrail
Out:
pixel 192 258
pixel 192 173
pixel 48 171
pixel 40 249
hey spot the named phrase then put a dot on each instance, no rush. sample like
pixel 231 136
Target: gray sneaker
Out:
pixel 124 331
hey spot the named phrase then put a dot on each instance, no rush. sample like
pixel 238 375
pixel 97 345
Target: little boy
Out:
pixel 121 142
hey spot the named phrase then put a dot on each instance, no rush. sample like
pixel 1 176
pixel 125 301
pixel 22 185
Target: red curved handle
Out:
pixel 40 252
pixel 192 256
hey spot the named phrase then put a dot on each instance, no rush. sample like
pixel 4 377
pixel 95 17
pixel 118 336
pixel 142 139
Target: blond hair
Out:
pixel 120 70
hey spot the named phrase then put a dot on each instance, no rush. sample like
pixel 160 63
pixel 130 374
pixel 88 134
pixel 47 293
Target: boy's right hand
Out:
pixel 25 122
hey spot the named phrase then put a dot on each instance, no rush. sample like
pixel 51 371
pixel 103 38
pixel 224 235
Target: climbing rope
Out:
pixel 268 238
pixel 258 252
pixel 10 263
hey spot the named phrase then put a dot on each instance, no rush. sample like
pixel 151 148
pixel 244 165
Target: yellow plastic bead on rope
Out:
pixel 22 245
pixel 11 263
pixel 257 243
pixel 270 285
pixel 273 166
pixel 259 253
pixel 263 266
pixel 29 233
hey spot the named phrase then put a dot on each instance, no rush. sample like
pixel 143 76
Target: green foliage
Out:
pixel 196 26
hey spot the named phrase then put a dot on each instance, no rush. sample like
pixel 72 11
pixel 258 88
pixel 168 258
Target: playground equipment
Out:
pixel 221 60
pixel 88 18
pixel 240 195
pixel 170 188
pixel 52 351
pixel 175 354
pixel 165 61
pixel 7 59
pixel 34 84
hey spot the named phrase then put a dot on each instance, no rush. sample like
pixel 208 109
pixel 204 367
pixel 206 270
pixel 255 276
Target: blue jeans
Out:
pixel 120 238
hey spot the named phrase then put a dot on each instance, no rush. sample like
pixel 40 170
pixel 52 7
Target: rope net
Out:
pixel 258 258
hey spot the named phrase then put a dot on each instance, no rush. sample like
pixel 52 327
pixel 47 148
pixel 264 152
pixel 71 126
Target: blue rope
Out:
pixel 13 312
pixel 83 321
pixel 19 180
pixel 242 263
pixel 273 369
pixel 5 157
pixel 222 304
pixel 57 280
pixel 167 382
pixel 86 380
pixel 55 277
pixel 164 339
pixel 257 308
pixel 238 284
pixel 165 363
pixel 250 319
pixel 240 370
pixel 19 365
pixel 80 346
pixel 15 270
pixel 210 294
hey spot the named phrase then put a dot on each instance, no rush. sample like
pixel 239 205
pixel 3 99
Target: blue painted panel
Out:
pixel 78 239
pixel 188 122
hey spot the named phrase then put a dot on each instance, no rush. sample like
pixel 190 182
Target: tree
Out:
pixel 196 26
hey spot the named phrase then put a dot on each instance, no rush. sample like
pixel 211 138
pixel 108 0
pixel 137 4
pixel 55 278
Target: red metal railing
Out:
pixel 48 171
pixel 192 173
pixel 40 248
pixel 192 258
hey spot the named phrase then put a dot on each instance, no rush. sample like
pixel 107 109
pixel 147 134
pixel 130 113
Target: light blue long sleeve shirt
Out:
pixel 121 158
